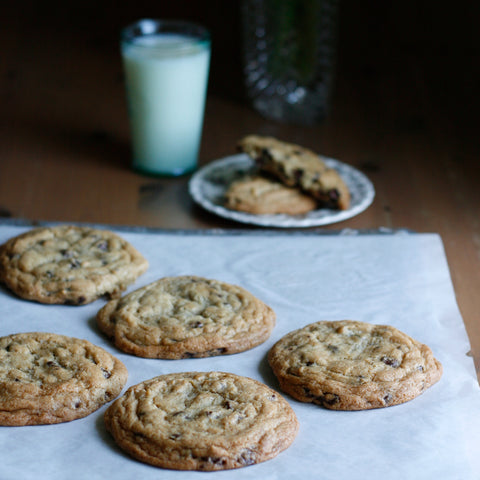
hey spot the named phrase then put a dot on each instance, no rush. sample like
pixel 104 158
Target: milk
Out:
pixel 166 80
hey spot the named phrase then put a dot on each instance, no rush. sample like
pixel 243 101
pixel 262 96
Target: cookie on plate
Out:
pixel 47 378
pixel 350 365
pixel 201 421
pixel 260 195
pixel 296 166
pixel 185 317
pixel 69 264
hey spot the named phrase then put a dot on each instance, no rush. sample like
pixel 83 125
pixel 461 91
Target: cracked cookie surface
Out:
pixel 186 316
pixel 259 195
pixel 47 378
pixel 297 166
pixel 201 421
pixel 69 264
pixel 351 365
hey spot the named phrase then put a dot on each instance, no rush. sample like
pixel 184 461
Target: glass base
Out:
pixel 279 109
pixel 173 174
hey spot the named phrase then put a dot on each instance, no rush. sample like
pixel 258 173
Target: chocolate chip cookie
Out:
pixel 296 166
pixel 69 264
pixel 350 365
pixel 260 195
pixel 186 316
pixel 201 421
pixel 47 378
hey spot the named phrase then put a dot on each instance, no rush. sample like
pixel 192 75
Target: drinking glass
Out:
pixel 166 66
pixel 289 49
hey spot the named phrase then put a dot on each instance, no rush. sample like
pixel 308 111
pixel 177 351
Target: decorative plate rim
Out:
pixel 208 185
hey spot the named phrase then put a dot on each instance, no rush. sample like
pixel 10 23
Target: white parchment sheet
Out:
pixel 401 280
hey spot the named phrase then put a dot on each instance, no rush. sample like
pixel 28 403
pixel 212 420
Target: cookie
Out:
pixel 69 264
pixel 47 378
pixel 260 195
pixel 350 365
pixel 296 166
pixel 185 317
pixel 201 421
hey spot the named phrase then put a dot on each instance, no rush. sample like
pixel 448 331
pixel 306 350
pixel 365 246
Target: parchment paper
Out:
pixel 401 279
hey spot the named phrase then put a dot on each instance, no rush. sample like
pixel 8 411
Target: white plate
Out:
pixel 208 185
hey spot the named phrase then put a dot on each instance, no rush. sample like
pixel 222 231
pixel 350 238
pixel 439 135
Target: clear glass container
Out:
pixel 166 66
pixel 289 49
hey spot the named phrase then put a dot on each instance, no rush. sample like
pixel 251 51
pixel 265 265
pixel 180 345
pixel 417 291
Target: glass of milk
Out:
pixel 166 66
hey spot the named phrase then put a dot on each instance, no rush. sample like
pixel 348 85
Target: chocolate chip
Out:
pixel 332 348
pixel 66 253
pixel 208 353
pixel 81 300
pixel 247 457
pixel 75 263
pixel 308 393
pixel 266 153
pixel 196 324
pixel 214 460
pixel 333 194
pixel 228 405
pixel 264 157
pixel 106 373
pixel 387 398
pixel 330 399
pixel 298 173
pixel 103 246
pixel 327 399
pixel 392 362
pixel 216 351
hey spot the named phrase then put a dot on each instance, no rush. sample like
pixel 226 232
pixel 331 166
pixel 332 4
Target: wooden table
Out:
pixel 404 113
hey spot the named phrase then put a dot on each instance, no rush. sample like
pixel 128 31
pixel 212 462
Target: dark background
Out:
pixel 386 50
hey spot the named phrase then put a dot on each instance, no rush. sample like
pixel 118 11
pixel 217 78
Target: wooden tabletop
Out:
pixel 404 113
